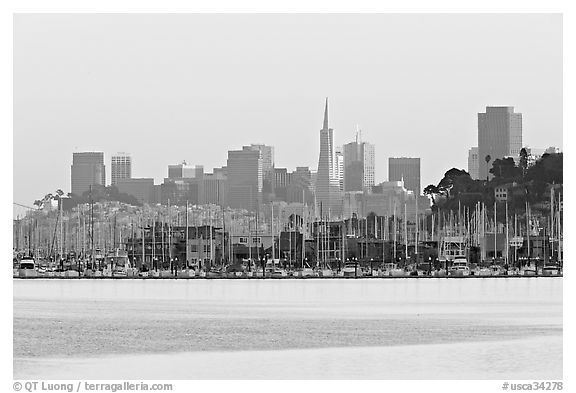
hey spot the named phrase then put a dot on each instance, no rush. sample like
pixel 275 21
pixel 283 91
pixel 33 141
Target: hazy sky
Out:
pixel 168 88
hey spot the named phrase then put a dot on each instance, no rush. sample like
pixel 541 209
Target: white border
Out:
pixel 177 6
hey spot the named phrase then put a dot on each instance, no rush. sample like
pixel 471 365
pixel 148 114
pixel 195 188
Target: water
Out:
pixel 295 329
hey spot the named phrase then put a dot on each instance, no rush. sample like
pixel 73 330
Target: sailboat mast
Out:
pixel 257 245
pixel 211 238
pixel 154 262
pixel 187 241
pixel 507 241
pixel 416 238
pixel 405 234
pixel 528 230
pixel 395 230
pixel 170 234
pixel 162 240
pixel 495 226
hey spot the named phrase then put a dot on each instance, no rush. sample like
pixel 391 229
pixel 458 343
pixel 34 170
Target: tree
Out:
pixel 431 190
pixel 523 161
pixel 487 159
pixel 454 182
pixel 548 169
pixel 505 169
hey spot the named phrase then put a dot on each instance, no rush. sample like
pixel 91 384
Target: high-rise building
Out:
pixel 214 188
pixel 473 163
pixel 121 167
pixel 328 194
pixel 87 169
pixel 244 172
pixel 499 136
pixel 282 179
pixel 406 169
pixel 184 171
pixel 359 163
pixel 300 189
pixel 183 184
pixel 340 168
pixel 267 158
pixel 267 153
pixel 141 189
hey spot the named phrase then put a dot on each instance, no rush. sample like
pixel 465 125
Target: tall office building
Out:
pixel 244 173
pixel 121 167
pixel 340 168
pixel 407 169
pixel 359 163
pixel 473 163
pixel 184 171
pixel 300 189
pixel 267 158
pixel 499 136
pixel 87 169
pixel 142 189
pixel 267 153
pixel 328 194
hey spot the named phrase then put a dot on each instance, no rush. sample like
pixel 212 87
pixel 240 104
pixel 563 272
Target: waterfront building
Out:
pixel 405 169
pixel 499 136
pixel 87 169
pixel 359 164
pixel 328 194
pixel 473 162
pixel 244 169
pixel 501 192
pixel 121 167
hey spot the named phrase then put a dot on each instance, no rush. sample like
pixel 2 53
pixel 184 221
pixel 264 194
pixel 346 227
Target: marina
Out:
pixel 213 242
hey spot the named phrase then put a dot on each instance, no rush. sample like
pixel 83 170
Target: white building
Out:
pixel 328 194
pixel 121 167
pixel 473 164
pixel 359 164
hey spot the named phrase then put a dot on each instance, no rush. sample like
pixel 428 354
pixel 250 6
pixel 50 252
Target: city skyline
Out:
pixel 170 124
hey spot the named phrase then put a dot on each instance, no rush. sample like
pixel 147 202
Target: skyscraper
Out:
pixel 121 167
pixel 473 163
pixel 87 169
pixel 267 153
pixel 184 171
pixel 407 169
pixel 359 163
pixel 328 195
pixel 244 172
pixel 499 136
pixel 340 168
pixel 267 158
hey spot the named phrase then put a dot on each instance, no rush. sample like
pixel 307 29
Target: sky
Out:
pixel 174 87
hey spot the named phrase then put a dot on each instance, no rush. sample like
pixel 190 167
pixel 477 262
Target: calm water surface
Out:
pixel 295 329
